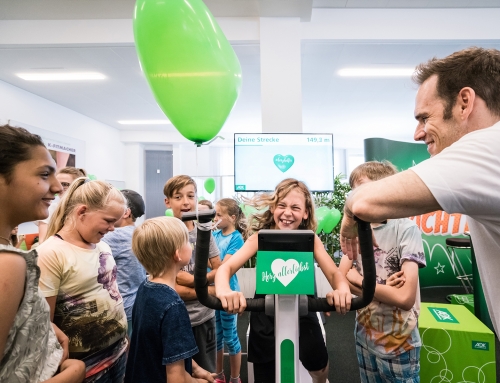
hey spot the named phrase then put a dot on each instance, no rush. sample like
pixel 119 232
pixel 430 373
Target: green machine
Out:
pixel 285 276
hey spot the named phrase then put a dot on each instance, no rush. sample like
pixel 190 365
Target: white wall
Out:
pixel 104 151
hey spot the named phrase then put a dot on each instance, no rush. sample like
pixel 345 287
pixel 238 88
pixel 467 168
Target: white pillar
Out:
pixel 281 90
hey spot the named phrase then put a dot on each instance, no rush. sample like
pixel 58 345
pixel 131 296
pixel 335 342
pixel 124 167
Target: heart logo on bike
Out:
pixel 285 271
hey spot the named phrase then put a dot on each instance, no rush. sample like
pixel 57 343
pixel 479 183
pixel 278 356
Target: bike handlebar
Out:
pixel 258 304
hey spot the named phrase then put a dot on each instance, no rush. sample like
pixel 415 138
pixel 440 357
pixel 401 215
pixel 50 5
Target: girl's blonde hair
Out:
pixel 93 194
pixel 231 207
pixel 265 220
pixel 155 242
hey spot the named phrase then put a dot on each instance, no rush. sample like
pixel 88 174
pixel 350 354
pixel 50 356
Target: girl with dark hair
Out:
pixel 30 349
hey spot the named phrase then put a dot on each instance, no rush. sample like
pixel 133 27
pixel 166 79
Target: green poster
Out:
pixel 285 272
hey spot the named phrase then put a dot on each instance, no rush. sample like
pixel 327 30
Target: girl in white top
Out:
pixel 78 278
pixel 31 348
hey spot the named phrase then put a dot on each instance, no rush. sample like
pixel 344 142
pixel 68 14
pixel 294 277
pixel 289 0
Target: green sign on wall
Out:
pixel 285 272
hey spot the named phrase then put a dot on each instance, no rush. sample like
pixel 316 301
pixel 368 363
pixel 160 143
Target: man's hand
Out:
pixel 349 234
pixel 63 341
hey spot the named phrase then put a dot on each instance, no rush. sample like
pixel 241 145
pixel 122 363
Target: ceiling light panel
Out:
pixel 144 122
pixel 75 76
pixel 376 72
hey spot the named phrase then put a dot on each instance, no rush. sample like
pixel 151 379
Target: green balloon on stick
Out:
pixel 169 213
pixel 209 185
pixel 190 66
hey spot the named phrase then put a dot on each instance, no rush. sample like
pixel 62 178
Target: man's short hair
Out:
pixel 135 203
pixel 474 67
pixel 177 183
pixel 373 170
pixel 155 242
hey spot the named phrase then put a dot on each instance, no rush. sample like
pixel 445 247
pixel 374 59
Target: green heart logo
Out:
pixel 283 163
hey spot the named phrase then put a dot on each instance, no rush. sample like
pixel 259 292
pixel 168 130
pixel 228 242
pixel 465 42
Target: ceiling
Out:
pixel 122 9
pixel 351 108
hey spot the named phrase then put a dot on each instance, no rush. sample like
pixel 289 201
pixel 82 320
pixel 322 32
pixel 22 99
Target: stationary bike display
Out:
pixel 282 305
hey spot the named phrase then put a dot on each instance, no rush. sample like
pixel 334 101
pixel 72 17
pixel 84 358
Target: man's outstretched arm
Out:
pixel 401 195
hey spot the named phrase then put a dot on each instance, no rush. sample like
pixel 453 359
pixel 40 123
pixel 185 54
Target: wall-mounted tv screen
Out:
pixel 262 160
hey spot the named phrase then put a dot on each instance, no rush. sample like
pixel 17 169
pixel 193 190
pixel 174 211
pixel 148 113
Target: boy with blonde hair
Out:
pixel 162 344
pixel 387 338
pixel 180 196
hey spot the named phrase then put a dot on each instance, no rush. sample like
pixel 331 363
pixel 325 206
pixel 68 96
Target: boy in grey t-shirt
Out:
pixel 130 273
pixel 386 330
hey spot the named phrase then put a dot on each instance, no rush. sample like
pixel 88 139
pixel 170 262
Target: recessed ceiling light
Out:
pixel 376 72
pixel 75 76
pixel 144 122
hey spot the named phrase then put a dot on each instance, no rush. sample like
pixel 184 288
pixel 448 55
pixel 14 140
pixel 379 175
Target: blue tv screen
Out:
pixel 262 160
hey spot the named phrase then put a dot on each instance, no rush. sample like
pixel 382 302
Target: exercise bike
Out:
pixel 282 306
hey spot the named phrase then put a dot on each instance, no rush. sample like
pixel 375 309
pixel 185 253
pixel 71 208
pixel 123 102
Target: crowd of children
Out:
pixel 101 300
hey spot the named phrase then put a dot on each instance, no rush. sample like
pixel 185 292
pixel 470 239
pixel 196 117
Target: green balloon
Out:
pixel 190 66
pixel 169 213
pixel 331 220
pixel 321 213
pixel 209 185
pixel 201 198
